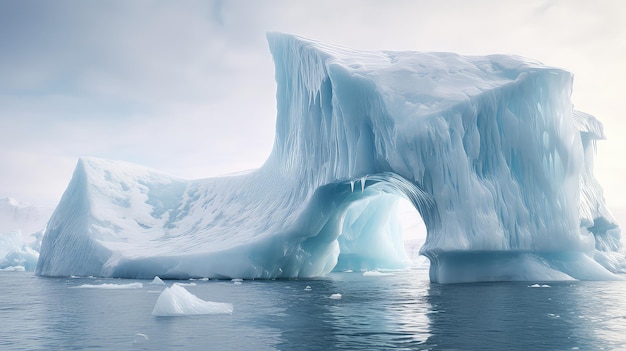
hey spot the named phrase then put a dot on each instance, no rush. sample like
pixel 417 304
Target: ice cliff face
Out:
pixel 488 149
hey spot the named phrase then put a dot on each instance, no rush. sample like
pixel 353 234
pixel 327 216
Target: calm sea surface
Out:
pixel 402 311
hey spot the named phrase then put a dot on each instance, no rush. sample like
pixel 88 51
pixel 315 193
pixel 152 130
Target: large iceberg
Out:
pixel 488 149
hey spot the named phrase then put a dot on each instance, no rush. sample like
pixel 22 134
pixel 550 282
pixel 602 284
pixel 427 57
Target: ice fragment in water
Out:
pixel 157 281
pixel 177 301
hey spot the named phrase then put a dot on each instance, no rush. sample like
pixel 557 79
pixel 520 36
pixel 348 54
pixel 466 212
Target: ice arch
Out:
pixel 361 217
pixel 488 149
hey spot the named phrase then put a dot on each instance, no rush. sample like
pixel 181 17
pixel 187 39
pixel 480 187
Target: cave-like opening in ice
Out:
pixel 363 217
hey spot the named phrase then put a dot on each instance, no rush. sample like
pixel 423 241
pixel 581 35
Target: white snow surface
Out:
pixel 488 149
pixel 177 301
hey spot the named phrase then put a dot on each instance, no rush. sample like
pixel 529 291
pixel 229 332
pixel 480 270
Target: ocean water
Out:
pixel 403 311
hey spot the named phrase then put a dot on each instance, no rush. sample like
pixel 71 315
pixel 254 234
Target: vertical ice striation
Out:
pixel 488 149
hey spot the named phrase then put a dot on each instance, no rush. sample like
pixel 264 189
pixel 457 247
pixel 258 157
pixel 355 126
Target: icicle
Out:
pixel 352 185
pixel 363 179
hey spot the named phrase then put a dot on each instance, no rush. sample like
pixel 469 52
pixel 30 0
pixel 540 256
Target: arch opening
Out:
pixel 378 221
pixel 382 231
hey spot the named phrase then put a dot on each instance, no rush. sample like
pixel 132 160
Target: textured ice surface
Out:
pixel 487 148
pixel 14 252
pixel 21 230
pixel 177 301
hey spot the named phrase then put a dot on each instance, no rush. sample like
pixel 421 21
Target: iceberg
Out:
pixel 22 227
pixel 488 149
pixel 157 281
pixel 14 253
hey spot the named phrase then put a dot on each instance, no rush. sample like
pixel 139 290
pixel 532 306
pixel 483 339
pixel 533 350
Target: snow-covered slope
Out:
pixel 21 230
pixel 488 149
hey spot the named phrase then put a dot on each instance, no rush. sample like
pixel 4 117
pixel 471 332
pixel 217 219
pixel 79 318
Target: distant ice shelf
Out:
pixel 488 149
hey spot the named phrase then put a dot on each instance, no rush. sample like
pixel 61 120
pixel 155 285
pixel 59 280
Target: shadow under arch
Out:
pixel 359 216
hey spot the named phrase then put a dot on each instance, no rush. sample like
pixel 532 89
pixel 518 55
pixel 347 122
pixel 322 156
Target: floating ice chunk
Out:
pixel 545 286
pixel 187 284
pixel 335 296
pixel 110 286
pixel 204 279
pixel 236 280
pixel 177 301
pixel 157 281
pixel 140 338
pixel 376 274
pixel 539 286
pixel 308 288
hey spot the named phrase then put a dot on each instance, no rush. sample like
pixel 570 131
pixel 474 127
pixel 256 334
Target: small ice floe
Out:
pixel 177 301
pixel 335 296
pixel 348 271
pixel 140 338
pixel 236 281
pixel 157 281
pixel 187 284
pixel 552 315
pixel 109 286
pixel 204 279
pixel 539 286
pixel 308 288
pixel 376 274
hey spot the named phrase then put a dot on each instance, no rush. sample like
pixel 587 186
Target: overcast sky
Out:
pixel 188 87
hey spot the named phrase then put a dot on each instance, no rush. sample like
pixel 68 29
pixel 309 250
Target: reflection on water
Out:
pixel 400 312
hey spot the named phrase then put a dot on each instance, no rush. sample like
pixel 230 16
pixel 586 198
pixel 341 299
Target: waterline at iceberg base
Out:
pixel 488 148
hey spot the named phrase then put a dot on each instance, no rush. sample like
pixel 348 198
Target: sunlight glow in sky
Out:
pixel 188 87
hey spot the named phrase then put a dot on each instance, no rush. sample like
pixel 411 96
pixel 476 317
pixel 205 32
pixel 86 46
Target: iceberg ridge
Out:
pixel 487 148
